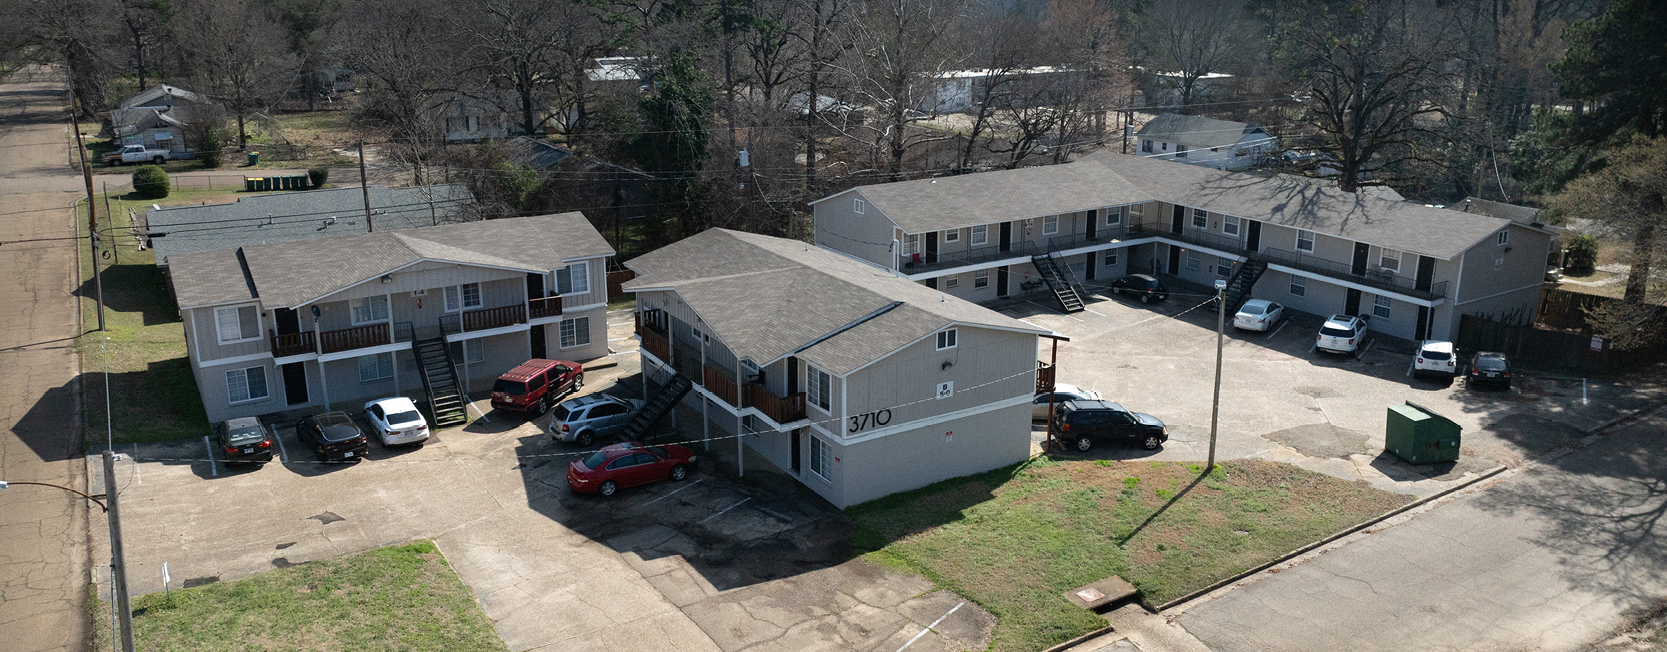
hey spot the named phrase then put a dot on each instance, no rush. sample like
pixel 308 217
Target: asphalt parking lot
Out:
pixel 1284 401
pixel 710 563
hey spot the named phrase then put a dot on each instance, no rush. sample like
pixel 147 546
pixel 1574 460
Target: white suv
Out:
pixel 1341 334
pixel 1434 357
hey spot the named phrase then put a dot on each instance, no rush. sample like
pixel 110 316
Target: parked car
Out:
pixel 1086 422
pixel 1258 315
pixel 1061 393
pixel 244 439
pixel 334 436
pixel 629 464
pixel 1149 289
pixel 1489 368
pixel 585 418
pixel 397 421
pixel 136 154
pixel 1434 357
pixel 1341 334
pixel 535 385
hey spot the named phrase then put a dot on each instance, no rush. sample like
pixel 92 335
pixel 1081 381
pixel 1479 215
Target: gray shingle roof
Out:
pixel 291 216
pixel 158 91
pixel 1197 130
pixel 988 197
pixel 1519 214
pixel 768 297
pixel 295 272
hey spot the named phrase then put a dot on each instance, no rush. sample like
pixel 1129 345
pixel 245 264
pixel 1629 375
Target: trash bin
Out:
pixel 1419 436
pixel 254 158
pixel 249 183
pixel 300 182
pixel 283 182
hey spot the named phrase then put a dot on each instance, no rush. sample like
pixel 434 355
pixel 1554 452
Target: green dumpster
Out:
pixel 283 182
pixel 300 182
pixel 1419 436
pixel 254 158
pixel 249 183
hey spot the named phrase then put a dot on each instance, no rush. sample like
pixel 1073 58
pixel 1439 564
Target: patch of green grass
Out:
pixel 1015 539
pixel 403 597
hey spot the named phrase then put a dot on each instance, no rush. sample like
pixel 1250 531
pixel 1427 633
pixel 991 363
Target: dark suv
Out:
pixel 536 385
pixel 1146 288
pixel 334 436
pixel 1084 422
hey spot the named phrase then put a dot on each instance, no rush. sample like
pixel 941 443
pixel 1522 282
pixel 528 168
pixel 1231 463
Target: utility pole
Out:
pixel 364 188
pixel 92 215
pixel 1215 403
pixel 118 565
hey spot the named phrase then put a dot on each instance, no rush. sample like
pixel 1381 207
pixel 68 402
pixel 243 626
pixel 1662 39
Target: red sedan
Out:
pixel 626 465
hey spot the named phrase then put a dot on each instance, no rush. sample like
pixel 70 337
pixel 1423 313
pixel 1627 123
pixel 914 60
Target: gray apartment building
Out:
pixel 857 382
pixel 1413 269
pixel 321 324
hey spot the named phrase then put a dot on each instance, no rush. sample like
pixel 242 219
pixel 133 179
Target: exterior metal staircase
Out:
pixel 1238 287
pixel 657 406
pixel 1062 287
pixel 445 399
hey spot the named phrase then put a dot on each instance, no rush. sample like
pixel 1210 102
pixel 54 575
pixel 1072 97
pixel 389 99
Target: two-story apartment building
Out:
pixel 320 324
pixel 857 382
pixel 1413 269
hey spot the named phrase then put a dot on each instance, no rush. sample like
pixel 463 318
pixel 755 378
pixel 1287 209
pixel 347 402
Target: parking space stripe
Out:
pixel 213 470
pixel 1282 324
pixel 953 609
pixel 136 478
pixel 283 455
pixel 1409 369
pixel 669 493
pixel 725 510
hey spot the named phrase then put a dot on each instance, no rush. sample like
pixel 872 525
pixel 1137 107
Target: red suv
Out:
pixel 535 385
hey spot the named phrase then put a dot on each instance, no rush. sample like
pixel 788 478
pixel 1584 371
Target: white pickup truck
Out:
pixel 136 154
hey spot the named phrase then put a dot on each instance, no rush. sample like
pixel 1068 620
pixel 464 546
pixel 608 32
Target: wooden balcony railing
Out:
pixel 1044 377
pixel 477 320
pixel 716 382
pixel 780 410
pixel 655 343
pixel 293 344
pixel 546 307
pixel 357 337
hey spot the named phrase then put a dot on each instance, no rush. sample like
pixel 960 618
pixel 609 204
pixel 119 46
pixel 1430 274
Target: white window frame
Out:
pixel 911 244
pixel 578 278
pixel 377 371
pixel 1224 266
pixel 1180 151
pixel 1146 146
pixel 1111 257
pixel 474 351
pixel 951 283
pixel 1050 225
pixel 370 308
pixel 1114 216
pixel 818 383
pixel 981 279
pixel 980 235
pixel 1194 262
pixel 1230 224
pixel 1200 218
pixel 249 397
pixel 1382 306
pixel 1310 239
pixel 463 290
pixel 952 235
pixel 1504 238
pixel 947 339
pixel 1299 286
pixel 859 206
pixel 1389 259
pixel 820 458
pixel 219 327
pixel 572 333
pixel 453 300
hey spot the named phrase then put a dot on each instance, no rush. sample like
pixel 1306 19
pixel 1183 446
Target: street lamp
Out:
pixel 1215 403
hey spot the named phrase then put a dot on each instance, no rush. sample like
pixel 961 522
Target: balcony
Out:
pixel 651 327
pixel 778 409
pixel 715 381
pixel 963 258
pixel 1044 377
pixel 1343 271
pixel 1102 235
pixel 290 344
pixel 358 337
pixel 1225 243
pixel 486 318
pixel 546 307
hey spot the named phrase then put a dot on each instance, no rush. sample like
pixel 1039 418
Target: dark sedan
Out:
pixel 244 440
pixel 1145 288
pixel 1489 368
pixel 334 436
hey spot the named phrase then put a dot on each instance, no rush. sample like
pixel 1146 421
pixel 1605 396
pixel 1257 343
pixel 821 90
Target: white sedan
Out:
pixel 397 421
pixel 1258 315
pixel 1061 393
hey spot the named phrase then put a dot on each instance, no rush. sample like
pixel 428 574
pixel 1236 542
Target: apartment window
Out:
pixel 575 332
pixel 911 244
pixel 370 310
pixel 981 279
pixel 1137 210
pixel 243 385
pixel 952 235
pixel 1380 306
pixel 474 123
pixel 1299 285
pixel 474 352
pixel 1200 218
pixel 573 279
pixel 980 235
pixel 1050 225
pixel 376 366
pixel 454 302
pixel 1146 146
pixel 1305 241
pixel 818 387
pixel 471 295
pixel 1504 238
pixel 858 206
pixel 946 339
pixel 1114 216
pixel 1180 151
pixel 1166 147
pixel 1194 262
pixel 1224 266
pixel 951 283
pixel 1111 257
pixel 1390 260
pixel 821 461
pixel 1230 225
pixel 239 324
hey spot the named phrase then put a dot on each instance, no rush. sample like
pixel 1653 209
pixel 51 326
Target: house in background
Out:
pixel 606 189
pixel 857 382
pixel 463 118
pixel 1197 140
pixel 1414 269
pixel 313 214
pixel 960 90
pixel 159 117
pixel 155 129
pixel 313 325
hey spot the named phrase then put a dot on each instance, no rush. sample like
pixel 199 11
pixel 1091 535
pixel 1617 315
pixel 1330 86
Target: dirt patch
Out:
pixel 1322 440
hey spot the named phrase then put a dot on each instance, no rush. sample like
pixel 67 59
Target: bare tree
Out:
pixel 238 56
pixel 1007 45
pixel 1191 39
pixel 585 31
pixel 72 32
pixel 398 49
pixel 901 52
pixel 512 46
pixel 824 37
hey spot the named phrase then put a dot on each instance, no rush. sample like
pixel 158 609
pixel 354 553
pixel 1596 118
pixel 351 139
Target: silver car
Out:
pixel 1061 393
pixel 584 419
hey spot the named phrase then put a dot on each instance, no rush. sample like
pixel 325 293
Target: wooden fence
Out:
pixel 1536 348
pixel 617 279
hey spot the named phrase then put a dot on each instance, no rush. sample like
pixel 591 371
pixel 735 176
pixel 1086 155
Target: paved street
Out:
pixel 43 532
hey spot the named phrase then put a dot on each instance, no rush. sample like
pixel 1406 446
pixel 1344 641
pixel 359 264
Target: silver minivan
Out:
pixel 584 419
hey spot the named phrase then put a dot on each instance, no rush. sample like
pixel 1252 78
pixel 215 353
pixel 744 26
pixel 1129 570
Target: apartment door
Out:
pixel 1093 224
pixel 1006 243
pixel 535 287
pixel 792 376
pixel 1426 273
pixel 1177 220
pixel 931 248
pixel 295 382
pixel 1174 259
pixel 1423 331
pixel 287 321
pixel 1361 249
pixel 1253 236
pixel 1001 281
pixel 932 283
pixel 538 341
pixel 798 437
pixel 1090 262
pixel 1351 305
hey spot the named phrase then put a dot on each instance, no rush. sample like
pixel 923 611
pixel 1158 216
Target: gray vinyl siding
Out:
pixel 1524 264
pixel 866 236
pixel 201 321
pixel 910 460
pixel 598 285
pixel 906 381
pixel 211 383
pixel 598 346
pixel 1402 321
pixel 502 352
pixel 1319 298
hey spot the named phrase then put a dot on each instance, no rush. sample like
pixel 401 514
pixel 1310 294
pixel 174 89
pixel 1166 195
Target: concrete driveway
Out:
pixel 712 563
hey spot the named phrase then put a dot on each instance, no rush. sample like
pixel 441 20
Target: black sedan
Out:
pixel 1146 288
pixel 244 440
pixel 334 436
pixel 1489 368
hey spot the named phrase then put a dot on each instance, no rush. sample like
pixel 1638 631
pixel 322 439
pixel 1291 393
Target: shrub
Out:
pixel 1581 256
pixel 209 150
pixel 150 182
pixel 318 175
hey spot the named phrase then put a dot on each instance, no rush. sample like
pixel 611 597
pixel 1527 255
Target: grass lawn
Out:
pixel 403 597
pixel 1015 539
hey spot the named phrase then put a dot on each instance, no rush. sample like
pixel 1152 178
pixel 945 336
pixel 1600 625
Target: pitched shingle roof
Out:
pixel 306 215
pixel 158 91
pixel 1520 214
pixel 296 272
pixel 988 197
pixel 770 297
pixel 1197 130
